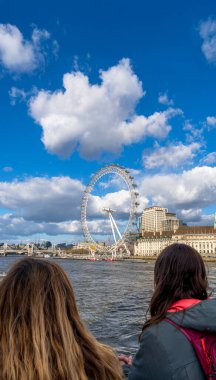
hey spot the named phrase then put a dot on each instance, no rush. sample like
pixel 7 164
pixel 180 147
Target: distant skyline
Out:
pixel 84 84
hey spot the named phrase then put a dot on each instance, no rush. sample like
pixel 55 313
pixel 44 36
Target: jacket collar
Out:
pixel 183 304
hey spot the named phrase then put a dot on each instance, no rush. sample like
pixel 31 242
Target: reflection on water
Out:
pixel 112 297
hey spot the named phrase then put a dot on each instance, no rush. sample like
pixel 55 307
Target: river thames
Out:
pixel 112 297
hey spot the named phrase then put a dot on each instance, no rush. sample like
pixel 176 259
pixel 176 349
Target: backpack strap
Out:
pixel 207 364
pixel 179 328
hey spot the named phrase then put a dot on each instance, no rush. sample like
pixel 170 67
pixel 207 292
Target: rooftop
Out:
pixel 182 230
pixel 195 230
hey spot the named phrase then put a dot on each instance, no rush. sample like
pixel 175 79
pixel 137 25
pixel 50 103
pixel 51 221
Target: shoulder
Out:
pixel 164 352
pixel 197 317
pixel 151 361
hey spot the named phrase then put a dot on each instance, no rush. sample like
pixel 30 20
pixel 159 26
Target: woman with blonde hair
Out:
pixel 41 334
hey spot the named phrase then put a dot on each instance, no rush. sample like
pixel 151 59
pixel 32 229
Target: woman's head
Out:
pixel 41 334
pixel 179 273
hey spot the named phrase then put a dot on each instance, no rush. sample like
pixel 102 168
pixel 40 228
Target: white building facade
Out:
pixel 152 218
pixel 150 246
pixel 203 239
pixel 158 219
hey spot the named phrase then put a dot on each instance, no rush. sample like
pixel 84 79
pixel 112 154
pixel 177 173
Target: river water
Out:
pixel 112 297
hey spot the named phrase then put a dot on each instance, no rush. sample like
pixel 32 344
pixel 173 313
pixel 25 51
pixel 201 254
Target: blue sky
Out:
pixel 139 90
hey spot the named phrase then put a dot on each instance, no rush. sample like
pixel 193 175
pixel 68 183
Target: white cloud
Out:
pixel 38 35
pixel 120 201
pixel 170 156
pixel 209 159
pixel 53 205
pixel 12 226
pixel 40 206
pixel 57 199
pixel 96 119
pixel 164 99
pixel 42 199
pixel 191 189
pixel 17 93
pixel 191 215
pixel 207 32
pixel 20 95
pixel 196 217
pixel 19 55
pixel 211 121
pixel 194 133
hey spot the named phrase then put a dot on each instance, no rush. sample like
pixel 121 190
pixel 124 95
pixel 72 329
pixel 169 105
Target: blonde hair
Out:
pixel 41 334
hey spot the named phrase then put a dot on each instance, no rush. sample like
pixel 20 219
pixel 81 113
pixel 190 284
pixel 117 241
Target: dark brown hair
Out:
pixel 41 334
pixel 179 273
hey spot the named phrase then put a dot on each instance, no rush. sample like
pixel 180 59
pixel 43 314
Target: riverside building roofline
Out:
pixel 154 207
pixel 194 230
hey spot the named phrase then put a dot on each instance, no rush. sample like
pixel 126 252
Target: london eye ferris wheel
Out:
pixel 114 221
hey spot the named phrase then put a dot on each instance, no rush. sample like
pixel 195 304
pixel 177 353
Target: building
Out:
pixel 151 244
pixel 171 223
pixel 158 219
pixel 152 218
pixel 202 238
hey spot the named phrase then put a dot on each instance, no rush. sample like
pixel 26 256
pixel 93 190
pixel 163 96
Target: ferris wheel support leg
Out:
pixel 112 226
pixel 126 249
pixel 113 220
pixel 114 254
pixel 122 241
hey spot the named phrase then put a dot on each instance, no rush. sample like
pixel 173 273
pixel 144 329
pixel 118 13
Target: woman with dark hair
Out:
pixel 180 301
pixel 41 334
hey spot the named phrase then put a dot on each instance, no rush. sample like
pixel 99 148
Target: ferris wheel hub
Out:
pixel 109 210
